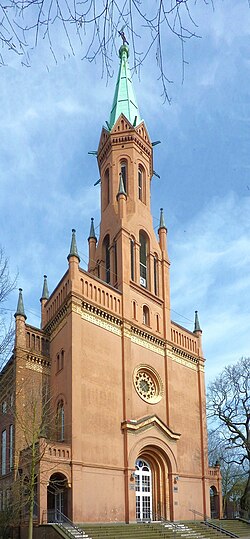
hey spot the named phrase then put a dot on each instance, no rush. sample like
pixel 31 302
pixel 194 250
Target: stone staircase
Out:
pixel 237 526
pixel 163 530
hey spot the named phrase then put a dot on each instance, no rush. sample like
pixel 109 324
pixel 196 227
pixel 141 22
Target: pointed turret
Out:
pixel 121 190
pixel 92 235
pixel 162 220
pixel 124 101
pixel 196 323
pixel 20 326
pixel 162 231
pixel 20 306
pixel 73 247
pixel 45 292
pixel 43 300
pixel 92 239
pixel 197 331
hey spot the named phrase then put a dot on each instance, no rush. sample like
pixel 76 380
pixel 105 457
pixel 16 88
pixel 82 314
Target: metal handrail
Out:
pixel 207 522
pixel 59 518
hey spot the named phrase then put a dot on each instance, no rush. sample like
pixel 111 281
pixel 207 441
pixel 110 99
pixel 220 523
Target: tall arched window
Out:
pixel 143 259
pixel 60 421
pixel 106 258
pixel 124 173
pixel 132 259
pixel 106 189
pixel 115 262
pixel 141 184
pixel 156 279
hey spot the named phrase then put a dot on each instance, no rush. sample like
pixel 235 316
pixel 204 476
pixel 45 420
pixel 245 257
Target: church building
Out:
pixel 116 384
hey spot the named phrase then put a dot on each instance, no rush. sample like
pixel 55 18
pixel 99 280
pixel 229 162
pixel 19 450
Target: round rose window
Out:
pixel 148 384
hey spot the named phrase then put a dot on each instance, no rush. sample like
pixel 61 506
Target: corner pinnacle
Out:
pixel 92 231
pixel 45 292
pixel 73 246
pixel 162 220
pixel 196 322
pixel 20 306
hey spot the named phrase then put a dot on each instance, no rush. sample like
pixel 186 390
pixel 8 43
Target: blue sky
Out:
pixel 51 118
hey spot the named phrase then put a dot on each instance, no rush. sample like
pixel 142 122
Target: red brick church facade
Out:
pixel 126 384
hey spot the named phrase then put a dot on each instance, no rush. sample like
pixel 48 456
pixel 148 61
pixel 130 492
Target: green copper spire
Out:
pixel 124 99
pixel 162 220
pixel 73 246
pixel 92 230
pixel 20 306
pixel 121 190
pixel 45 292
pixel 196 322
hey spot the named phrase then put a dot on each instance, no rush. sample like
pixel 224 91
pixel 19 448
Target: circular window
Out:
pixel 148 384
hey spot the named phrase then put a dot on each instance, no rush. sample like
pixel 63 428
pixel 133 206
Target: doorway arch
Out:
pixel 158 501
pixel 143 487
pixel 57 497
pixel 214 502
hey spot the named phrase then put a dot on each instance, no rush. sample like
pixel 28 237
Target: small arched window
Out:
pixel 60 421
pixel 124 173
pixel 134 310
pixel 132 259
pixel 145 315
pixel 106 258
pixel 157 323
pixel 143 259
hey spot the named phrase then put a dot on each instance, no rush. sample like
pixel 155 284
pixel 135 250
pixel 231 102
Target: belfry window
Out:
pixel 143 259
pixel 106 258
pixel 141 184
pixel 106 189
pixel 60 422
pixel 124 175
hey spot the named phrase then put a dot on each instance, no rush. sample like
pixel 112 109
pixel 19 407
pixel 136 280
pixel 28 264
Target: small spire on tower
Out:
pixel 196 322
pixel 73 246
pixel 45 292
pixel 121 190
pixel 20 306
pixel 92 231
pixel 162 220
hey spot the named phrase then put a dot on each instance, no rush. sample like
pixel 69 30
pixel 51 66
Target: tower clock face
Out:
pixel 148 384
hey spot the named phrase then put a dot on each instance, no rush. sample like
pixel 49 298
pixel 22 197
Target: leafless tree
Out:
pixel 96 25
pixel 233 475
pixel 229 407
pixel 7 284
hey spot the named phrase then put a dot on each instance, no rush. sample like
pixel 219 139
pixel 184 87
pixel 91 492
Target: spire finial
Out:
pixel 121 190
pixel 92 230
pixel 45 292
pixel 73 246
pixel 196 322
pixel 124 101
pixel 162 220
pixel 20 306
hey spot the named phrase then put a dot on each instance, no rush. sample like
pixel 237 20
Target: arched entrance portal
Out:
pixel 57 497
pixel 143 487
pixel 153 493
pixel 214 502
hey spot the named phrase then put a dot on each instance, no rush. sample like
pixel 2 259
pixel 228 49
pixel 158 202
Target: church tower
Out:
pixel 128 255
